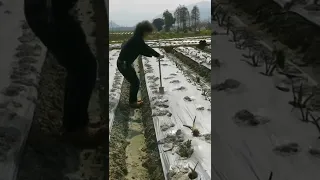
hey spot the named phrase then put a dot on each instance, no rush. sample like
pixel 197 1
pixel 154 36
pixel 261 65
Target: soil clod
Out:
pixel 287 149
pixel 227 84
pixel 245 117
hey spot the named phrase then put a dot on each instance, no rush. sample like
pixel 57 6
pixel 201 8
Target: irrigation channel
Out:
pixel 265 112
pixel 170 136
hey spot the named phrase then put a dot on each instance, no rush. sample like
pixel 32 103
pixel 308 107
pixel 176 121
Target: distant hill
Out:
pixel 113 24
pixel 115 27
pixel 204 9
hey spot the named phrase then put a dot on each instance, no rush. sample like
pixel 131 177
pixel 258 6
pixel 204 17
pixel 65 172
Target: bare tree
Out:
pixel 185 16
pixel 195 17
pixel 177 16
pixel 182 17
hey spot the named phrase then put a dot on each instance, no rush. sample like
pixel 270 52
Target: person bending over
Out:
pixel 130 50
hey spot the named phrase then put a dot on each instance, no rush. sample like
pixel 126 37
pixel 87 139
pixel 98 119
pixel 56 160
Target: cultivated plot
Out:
pixel 203 58
pixel 175 125
pixel 166 42
pixel 262 106
pixel 182 120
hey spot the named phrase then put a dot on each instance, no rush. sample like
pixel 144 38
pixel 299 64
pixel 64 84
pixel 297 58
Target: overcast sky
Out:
pixel 130 12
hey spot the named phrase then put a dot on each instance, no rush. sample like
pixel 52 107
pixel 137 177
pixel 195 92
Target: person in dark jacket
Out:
pixel 130 50
pixel 64 38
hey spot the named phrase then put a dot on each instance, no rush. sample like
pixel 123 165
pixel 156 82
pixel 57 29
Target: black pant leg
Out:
pixel 131 76
pixel 66 40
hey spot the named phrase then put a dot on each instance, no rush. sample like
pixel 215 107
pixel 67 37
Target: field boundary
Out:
pixel 153 163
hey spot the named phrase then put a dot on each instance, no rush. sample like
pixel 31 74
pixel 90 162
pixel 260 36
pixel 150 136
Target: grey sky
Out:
pixel 130 12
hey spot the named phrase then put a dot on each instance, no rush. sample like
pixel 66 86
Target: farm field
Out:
pixel 115 37
pixel 170 136
pixel 188 41
pixel 265 116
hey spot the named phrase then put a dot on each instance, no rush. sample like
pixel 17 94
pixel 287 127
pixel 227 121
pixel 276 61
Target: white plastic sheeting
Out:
pixel 177 89
pixel 247 152
pixel 196 55
pixel 115 82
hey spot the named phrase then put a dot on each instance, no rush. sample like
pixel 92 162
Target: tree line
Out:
pixel 181 19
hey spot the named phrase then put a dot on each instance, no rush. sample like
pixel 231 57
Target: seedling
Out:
pixel 185 149
pixel 277 59
pixel 298 94
pixel 237 33
pixel 195 131
pixel 193 174
pixel 234 35
pixel 198 79
pixel 255 60
pixel 224 15
pixel 228 25
pixel 217 12
pixel 315 121
pixel 270 175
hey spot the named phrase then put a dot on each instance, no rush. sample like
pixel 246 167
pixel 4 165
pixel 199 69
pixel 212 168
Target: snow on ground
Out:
pixel 165 42
pixel 249 152
pixel 181 103
pixel 115 82
pixel 119 33
pixel 198 56
pixel 184 38
pixel 176 43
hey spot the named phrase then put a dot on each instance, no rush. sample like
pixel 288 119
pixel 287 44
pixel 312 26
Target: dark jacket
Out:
pixel 134 47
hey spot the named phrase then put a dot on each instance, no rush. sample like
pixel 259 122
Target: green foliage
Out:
pixel 169 20
pixel 158 23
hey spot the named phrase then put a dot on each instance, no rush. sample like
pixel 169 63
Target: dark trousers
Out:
pixel 66 40
pixel 130 75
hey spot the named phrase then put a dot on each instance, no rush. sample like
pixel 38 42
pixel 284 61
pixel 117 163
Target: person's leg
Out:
pixel 66 40
pixel 134 85
pixel 131 76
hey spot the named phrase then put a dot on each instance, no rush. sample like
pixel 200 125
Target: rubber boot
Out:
pixel 137 104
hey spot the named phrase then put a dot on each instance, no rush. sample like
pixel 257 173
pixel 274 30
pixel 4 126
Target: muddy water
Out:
pixel 136 149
